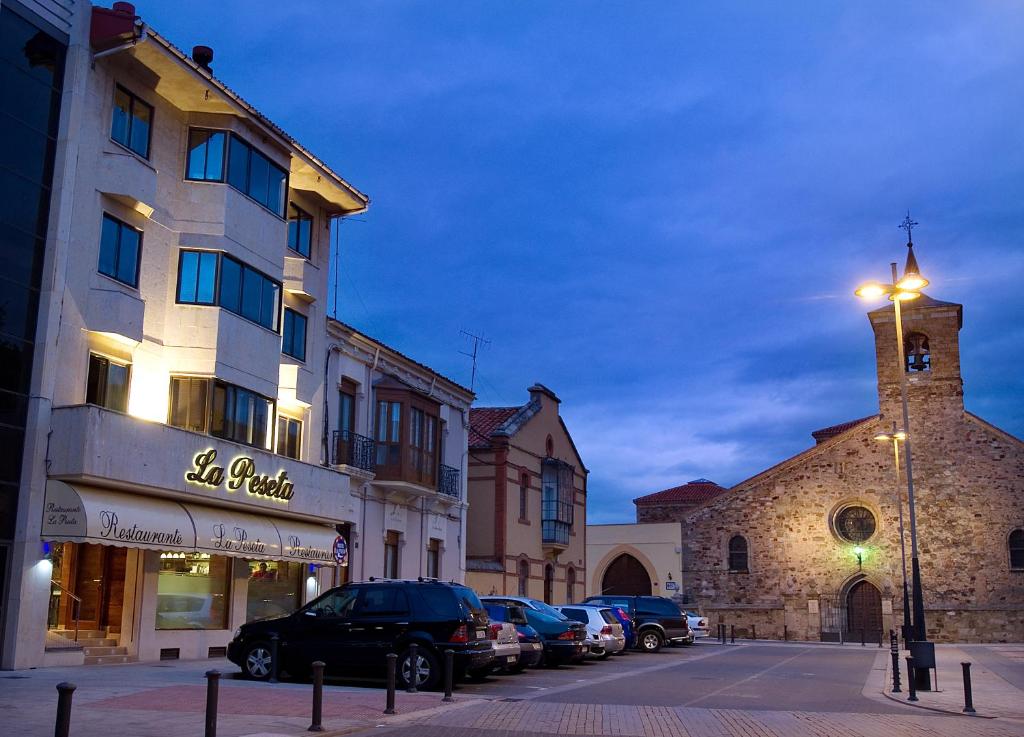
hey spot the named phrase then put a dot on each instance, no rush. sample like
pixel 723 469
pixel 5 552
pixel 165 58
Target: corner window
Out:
pixel 131 122
pixel 211 278
pixel 205 159
pixel 289 437
pixel 1016 545
pixel 253 174
pixel 107 385
pixel 294 343
pixel 189 406
pixel 300 230
pixel 738 554
pixel 120 244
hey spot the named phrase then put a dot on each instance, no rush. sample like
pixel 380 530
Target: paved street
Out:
pixel 757 689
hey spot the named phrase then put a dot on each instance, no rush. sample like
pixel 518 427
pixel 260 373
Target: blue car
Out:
pixel 530 643
pixel 627 628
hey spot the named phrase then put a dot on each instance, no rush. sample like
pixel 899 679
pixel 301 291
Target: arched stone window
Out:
pixel 1016 545
pixel 570 585
pixel 524 578
pixel 738 554
pixel 917 353
pixel 549 584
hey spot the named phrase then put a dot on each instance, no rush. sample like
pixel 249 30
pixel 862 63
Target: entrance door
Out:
pixel 864 611
pixel 626 576
pixel 99 582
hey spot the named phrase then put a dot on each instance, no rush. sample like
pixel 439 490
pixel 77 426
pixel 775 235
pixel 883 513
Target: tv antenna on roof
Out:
pixel 478 340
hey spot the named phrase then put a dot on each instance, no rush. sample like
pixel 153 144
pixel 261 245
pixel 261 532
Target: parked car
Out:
pixel 656 619
pixel 353 627
pixel 627 628
pixel 505 643
pixel 565 640
pixel 698 624
pixel 604 633
pixel 531 647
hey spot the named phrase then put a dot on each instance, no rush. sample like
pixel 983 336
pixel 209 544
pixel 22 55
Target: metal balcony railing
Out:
pixel 448 483
pixel 351 449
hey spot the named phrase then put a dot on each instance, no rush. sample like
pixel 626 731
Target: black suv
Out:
pixel 656 619
pixel 353 627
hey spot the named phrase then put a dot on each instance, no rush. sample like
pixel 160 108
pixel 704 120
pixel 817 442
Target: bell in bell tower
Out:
pixel 931 354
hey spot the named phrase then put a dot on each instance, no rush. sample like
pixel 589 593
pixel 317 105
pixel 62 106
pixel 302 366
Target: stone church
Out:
pixel 811 546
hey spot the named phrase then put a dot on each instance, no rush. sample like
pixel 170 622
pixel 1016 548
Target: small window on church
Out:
pixel 1016 544
pixel 855 524
pixel 915 348
pixel 738 554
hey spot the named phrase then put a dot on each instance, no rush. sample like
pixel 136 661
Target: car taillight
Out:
pixel 606 630
pixel 567 635
pixel 460 634
pixel 495 629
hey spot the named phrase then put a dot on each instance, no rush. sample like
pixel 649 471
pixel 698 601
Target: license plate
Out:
pixel 511 659
pixel 480 634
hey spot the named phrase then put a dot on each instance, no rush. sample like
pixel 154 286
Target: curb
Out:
pixel 887 693
pixel 396 719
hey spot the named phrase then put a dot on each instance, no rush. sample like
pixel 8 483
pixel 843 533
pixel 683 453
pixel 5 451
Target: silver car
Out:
pixel 505 644
pixel 604 633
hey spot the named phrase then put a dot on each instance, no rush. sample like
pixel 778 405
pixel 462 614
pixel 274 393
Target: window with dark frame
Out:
pixel 255 175
pixel 524 497
pixel 189 403
pixel 524 578
pixel 391 555
pixel 132 122
pixel 1016 546
pixel 549 584
pixel 120 245
pixel 434 558
pixel 294 334
pixel 289 437
pixel 204 161
pixel 300 230
pixel 570 584
pixel 107 383
pixel 557 503
pixel 240 414
pixel 738 554
pixel 215 278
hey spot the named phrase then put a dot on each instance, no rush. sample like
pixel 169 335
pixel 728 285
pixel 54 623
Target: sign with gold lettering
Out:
pixel 241 473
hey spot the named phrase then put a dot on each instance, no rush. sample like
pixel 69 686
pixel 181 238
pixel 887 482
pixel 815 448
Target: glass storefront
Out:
pixel 275 588
pixel 192 591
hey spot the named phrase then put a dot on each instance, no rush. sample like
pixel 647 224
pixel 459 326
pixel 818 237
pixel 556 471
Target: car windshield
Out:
pixel 540 606
pixel 468 598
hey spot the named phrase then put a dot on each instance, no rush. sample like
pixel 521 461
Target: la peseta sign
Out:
pixel 241 473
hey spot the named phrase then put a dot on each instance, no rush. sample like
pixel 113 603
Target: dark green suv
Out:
pixel 353 627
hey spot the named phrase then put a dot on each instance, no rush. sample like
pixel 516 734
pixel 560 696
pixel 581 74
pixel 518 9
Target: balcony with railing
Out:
pixel 353 450
pixel 448 481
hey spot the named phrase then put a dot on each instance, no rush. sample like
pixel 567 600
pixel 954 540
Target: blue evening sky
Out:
pixel 657 209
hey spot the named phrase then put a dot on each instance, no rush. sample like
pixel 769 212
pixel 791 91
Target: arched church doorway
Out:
pixel 626 576
pixel 864 611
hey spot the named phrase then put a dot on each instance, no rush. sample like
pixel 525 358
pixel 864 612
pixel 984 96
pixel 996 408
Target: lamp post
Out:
pixel 896 437
pixel 900 290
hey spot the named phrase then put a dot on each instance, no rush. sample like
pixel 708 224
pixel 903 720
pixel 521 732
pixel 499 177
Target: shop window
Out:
pixel 205 160
pixel 120 244
pixel 189 409
pixel 289 437
pixel 294 335
pixel 193 591
pixel 275 589
pixel 524 577
pixel 131 122
pixel 300 230
pixel 1016 545
pixel 391 555
pixel 212 278
pixel 738 554
pixel 434 559
pixel 253 174
pixel 107 385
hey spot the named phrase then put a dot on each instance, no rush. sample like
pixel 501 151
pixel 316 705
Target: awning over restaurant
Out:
pixel 86 514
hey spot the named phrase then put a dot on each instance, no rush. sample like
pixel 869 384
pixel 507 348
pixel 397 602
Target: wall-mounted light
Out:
pixel 859 552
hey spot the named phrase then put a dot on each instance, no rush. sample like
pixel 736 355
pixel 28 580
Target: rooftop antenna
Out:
pixel 478 340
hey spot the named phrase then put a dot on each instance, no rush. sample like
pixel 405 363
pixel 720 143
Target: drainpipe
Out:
pixel 326 447
pixel 143 35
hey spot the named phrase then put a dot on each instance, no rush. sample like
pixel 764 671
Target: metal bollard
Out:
pixel 911 686
pixel 879 638
pixel 862 641
pixel 721 632
pixel 449 674
pixel 389 707
pixel 753 632
pixel 968 693
pixel 894 651
pixel 318 697
pixel 273 657
pixel 785 633
pixel 65 691
pixel 414 668
pixel 732 633
pixel 212 683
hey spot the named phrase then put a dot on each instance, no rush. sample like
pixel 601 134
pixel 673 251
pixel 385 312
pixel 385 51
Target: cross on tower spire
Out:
pixel 908 225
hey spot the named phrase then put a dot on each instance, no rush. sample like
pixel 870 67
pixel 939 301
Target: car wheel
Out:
pixel 258 663
pixel 426 670
pixel 604 656
pixel 650 641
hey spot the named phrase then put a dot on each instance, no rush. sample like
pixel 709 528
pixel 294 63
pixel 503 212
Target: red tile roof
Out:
pixel 483 421
pixel 694 492
pixel 826 433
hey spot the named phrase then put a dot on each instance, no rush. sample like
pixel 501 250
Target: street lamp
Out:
pixel 896 437
pixel 901 290
pixel 859 552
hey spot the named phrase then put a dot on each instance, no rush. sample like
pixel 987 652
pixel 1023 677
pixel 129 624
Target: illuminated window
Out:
pixel 192 591
pixel 107 385
pixel 289 437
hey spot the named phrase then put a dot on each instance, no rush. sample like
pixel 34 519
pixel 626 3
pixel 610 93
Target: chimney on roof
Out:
pixel 203 56
pixel 538 390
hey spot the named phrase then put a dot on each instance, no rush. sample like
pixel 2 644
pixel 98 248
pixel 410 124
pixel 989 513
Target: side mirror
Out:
pixel 311 613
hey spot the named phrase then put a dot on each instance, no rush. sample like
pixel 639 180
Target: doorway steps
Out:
pixel 98 647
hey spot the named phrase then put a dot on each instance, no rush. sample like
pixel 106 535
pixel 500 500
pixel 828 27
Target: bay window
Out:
pixel 215 278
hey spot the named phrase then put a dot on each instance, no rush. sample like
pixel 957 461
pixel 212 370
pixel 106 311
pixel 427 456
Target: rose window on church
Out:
pixel 855 524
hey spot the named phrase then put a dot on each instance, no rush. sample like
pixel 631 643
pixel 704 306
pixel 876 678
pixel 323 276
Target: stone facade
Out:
pixel 969 491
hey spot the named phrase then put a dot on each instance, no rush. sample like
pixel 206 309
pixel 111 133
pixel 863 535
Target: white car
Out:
pixel 698 624
pixel 505 643
pixel 604 633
